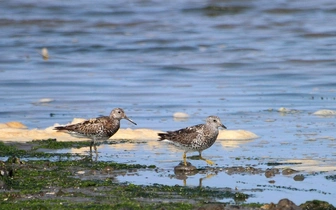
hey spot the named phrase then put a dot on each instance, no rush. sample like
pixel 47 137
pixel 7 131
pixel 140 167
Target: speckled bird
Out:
pixel 97 129
pixel 195 138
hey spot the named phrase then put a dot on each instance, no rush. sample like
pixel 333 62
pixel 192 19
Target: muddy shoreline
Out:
pixel 33 178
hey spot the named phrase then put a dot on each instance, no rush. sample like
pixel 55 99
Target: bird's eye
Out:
pixel 215 120
pixel 119 112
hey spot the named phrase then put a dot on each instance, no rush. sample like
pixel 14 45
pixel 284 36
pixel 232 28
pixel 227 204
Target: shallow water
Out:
pixel 152 58
pixel 227 156
pixel 240 60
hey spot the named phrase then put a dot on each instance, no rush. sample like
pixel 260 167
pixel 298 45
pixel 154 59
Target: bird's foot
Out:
pixel 207 161
pixel 208 176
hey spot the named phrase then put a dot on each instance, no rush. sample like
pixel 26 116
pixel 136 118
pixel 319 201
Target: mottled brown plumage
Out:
pixel 97 129
pixel 194 138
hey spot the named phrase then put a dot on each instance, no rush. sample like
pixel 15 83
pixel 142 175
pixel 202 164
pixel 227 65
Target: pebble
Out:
pixel 45 53
pixel 288 171
pixel 180 116
pixel 325 112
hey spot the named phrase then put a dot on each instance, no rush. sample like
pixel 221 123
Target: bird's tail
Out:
pixel 162 136
pixel 60 128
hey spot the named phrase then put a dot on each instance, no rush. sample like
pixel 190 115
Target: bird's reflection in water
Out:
pixel 93 156
pixel 182 172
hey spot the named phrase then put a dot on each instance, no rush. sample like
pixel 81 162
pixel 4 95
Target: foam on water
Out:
pixel 16 131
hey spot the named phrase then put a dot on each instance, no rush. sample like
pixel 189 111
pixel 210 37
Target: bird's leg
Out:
pixel 96 151
pixel 207 177
pixel 96 159
pixel 95 148
pixel 185 158
pixel 207 161
pixel 92 143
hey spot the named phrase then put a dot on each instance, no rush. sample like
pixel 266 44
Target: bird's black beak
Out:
pixel 130 120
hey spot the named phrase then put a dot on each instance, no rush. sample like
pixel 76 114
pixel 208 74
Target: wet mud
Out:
pixel 36 174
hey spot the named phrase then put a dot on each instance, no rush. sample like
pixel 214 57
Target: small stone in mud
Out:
pixel 14 160
pixel 80 172
pixel 287 204
pixel 271 172
pixel 284 110
pixel 93 172
pixel 107 170
pixel 268 206
pixel 252 170
pixel 60 193
pixel 299 177
pixel 289 171
pixel 242 170
pixel 182 167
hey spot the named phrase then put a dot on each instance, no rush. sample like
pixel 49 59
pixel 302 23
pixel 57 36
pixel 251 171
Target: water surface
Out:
pixel 240 60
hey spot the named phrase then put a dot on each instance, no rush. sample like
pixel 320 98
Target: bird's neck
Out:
pixel 212 129
pixel 114 120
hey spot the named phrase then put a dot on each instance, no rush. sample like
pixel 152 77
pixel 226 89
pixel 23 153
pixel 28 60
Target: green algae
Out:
pixel 331 178
pixel 66 204
pixel 57 184
pixel 317 205
pixel 38 174
pixel 43 184
pixel 54 144
pixel 8 150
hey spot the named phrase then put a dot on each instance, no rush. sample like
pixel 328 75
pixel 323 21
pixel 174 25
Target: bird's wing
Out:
pixel 90 126
pixel 185 135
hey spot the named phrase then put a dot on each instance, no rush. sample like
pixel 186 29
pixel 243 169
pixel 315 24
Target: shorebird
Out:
pixel 97 129
pixel 194 138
